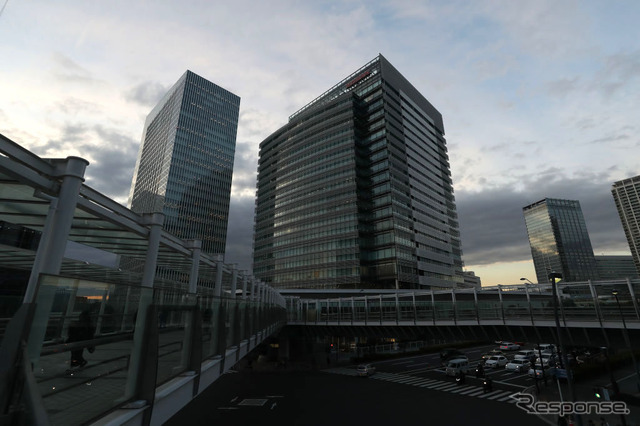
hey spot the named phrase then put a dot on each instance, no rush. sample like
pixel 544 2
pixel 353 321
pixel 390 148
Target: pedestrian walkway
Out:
pixel 499 395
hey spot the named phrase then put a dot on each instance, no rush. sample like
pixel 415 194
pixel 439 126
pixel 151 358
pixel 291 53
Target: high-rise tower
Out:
pixel 355 191
pixel 626 194
pixel 185 163
pixel 559 240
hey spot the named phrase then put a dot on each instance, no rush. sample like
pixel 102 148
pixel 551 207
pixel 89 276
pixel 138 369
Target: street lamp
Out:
pixel 527 280
pixel 563 355
pixel 626 337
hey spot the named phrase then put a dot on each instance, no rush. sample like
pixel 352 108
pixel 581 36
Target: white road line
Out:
pixel 490 393
pixel 421 370
pixel 469 392
pixel 464 388
pixel 479 391
pixel 424 363
pixel 448 388
pixel 506 398
pixel 503 393
pixel 429 382
pixel 409 361
pixel 438 386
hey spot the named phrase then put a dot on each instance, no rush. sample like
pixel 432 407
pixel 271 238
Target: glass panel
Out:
pixel 83 337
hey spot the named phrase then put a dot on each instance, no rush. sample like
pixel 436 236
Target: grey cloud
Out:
pixel 111 162
pixel 492 225
pixel 240 233
pixel 563 86
pixel 245 167
pixel 147 93
pixel 68 70
pixel 609 139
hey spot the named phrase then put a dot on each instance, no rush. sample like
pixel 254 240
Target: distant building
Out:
pixel 616 267
pixel 559 240
pixel 185 163
pixel 471 280
pixel 355 191
pixel 626 194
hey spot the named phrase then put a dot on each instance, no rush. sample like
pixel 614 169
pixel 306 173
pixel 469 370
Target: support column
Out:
pixel 51 248
pixel 140 343
pixel 244 285
pixel 217 291
pixel 196 251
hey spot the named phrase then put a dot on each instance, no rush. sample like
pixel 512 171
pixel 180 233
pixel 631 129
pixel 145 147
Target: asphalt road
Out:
pixel 321 398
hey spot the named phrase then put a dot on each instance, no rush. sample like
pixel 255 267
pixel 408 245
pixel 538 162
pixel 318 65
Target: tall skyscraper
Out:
pixel 559 240
pixel 185 163
pixel 355 191
pixel 626 194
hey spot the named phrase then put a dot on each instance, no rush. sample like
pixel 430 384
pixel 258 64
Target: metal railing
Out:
pixel 581 302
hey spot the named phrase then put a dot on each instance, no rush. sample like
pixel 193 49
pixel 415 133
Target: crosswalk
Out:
pixel 499 395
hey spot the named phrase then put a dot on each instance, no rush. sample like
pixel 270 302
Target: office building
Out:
pixel 626 194
pixel 355 191
pixel 185 163
pixel 559 240
pixel 616 267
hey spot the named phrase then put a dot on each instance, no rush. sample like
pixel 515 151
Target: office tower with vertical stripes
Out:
pixel 626 194
pixel 185 162
pixel 355 191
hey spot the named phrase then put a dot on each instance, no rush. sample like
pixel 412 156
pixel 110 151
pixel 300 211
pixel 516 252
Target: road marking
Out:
pixel 490 393
pixel 234 399
pixel 469 391
pixel 465 388
pixel 479 391
pixel 409 361
pixel 275 396
pixel 505 398
pixel 424 363
pixel 274 405
pixel 421 370
pixel 503 393
pixel 227 408
pixel 429 382
pixel 441 385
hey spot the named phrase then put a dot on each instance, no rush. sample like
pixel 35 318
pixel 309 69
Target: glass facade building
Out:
pixel 559 240
pixel 626 194
pixel 185 162
pixel 355 191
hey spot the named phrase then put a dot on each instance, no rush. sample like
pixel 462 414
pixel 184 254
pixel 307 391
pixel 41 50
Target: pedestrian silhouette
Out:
pixel 79 331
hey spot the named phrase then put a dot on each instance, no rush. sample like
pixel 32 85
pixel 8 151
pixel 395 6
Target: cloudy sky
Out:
pixel 539 98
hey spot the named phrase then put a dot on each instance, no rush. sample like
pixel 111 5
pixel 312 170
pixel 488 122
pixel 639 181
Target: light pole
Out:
pixel 563 355
pixel 527 280
pixel 626 337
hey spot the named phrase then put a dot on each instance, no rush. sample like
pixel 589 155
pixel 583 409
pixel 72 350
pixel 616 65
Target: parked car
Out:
pixel 527 354
pixel 546 361
pixel 457 366
pixel 496 361
pixel 365 370
pixel 536 373
pixel 518 365
pixel 547 347
pixel 494 352
pixel 509 346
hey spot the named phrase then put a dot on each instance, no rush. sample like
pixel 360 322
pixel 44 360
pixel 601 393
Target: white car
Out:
pixel 496 361
pixel 518 365
pixel 365 370
pixel 508 346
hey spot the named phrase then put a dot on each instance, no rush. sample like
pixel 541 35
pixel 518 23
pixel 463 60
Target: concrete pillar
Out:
pixel 217 291
pixel 244 284
pixel 234 280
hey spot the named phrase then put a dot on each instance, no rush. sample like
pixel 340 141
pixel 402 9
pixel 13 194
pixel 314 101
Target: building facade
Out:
pixel 185 162
pixel 626 194
pixel 355 191
pixel 559 240
pixel 612 267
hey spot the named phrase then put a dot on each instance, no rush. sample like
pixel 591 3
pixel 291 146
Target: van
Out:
pixel 529 355
pixel 457 366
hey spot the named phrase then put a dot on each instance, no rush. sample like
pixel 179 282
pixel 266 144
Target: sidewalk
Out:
pixel 584 390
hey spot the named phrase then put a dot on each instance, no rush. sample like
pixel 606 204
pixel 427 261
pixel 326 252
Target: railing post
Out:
pixel 526 290
pixel 415 309
pixel 633 298
pixel 475 300
pixel 433 307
